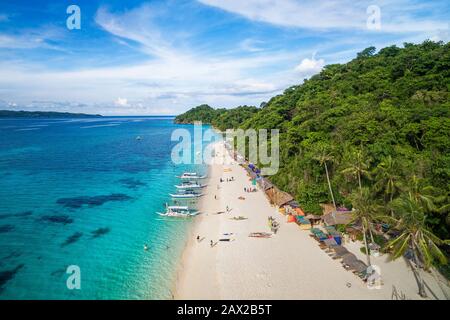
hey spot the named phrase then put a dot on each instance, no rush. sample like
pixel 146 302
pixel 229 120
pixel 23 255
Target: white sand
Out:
pixel 290 265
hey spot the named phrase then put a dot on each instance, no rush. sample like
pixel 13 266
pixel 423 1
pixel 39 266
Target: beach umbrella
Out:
pixel 348 258
pixel 340 250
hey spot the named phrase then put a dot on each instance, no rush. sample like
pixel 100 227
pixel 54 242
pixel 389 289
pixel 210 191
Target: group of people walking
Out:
pixel 273 224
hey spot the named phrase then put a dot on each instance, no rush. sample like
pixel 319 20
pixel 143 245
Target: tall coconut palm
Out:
pixel 357 166
pixel 323 154
pixel 388 178
pixel 422 193
pixel 415 235
pixel 366 212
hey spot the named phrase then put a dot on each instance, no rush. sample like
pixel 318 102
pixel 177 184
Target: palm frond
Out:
pixel 437 253
pixel 425 254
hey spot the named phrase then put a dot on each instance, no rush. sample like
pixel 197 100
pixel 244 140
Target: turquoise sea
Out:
pixel 84 192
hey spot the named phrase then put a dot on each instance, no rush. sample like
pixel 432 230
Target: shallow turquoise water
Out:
pixel 85 192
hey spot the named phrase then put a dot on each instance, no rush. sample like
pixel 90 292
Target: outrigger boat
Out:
pixel 190 185
pixel 178 211
pixel 191 176
pixel 186 194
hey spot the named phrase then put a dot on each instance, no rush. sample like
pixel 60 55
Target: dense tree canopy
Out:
pixel 202 113
pixel 221 119
pixel 44 114
pixel 383 119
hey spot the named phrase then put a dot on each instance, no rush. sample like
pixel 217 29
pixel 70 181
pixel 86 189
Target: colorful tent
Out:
pixel 290 218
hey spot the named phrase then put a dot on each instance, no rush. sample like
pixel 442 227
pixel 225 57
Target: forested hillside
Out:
pixel 379 124
pixel 221 119
pixel 43 114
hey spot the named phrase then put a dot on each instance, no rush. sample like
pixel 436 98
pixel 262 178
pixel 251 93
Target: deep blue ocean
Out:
pixel 84 192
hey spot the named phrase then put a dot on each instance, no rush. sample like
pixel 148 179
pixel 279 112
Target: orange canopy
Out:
pixel 290 218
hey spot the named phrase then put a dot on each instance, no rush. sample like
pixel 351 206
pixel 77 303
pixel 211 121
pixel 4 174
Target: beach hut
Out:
pixel 278 197
pixel 337 217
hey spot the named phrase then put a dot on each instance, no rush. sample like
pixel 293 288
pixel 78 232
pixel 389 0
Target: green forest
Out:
pixel 373 133
pixel 44 114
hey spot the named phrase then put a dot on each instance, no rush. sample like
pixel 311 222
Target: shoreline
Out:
pixel 289 265
pixel 183 278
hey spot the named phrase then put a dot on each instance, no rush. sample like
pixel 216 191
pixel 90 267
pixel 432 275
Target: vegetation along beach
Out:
pixel 227 151
pixel 374 150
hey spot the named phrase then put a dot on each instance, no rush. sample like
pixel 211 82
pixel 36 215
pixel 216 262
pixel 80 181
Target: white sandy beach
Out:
pixel 289 265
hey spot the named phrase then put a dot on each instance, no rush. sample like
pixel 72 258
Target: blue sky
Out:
pixel 163 57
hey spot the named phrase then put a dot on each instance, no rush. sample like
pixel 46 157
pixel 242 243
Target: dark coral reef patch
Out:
pixel 94 201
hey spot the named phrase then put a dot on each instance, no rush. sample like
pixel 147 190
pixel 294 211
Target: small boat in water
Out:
pixel 186 194
pixel 179 211
pixel 191 176
pixel 138 138
pixel 190 185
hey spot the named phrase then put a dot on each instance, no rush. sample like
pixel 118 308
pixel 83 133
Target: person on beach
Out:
pixel 245 189
pixel 215 197
pixel 211 243
pixel 198 238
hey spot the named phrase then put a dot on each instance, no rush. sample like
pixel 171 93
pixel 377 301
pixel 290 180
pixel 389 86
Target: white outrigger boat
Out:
pixel 190 185
pixel 191 176
pixel 186 194
pixel 178 211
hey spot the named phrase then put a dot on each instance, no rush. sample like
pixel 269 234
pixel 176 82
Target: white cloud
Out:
pixel 172 77
pixel 136 25
pixel 32 38
pixel 121 102
pixel 397 15
pixel 252 45
pixel 309 67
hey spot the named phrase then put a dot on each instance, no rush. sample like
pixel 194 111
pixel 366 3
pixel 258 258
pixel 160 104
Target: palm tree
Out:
pixel 358 166
pixel 324 155
pixel 366 212
pixel 388 178
pixel 415 235
pixel 422 193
